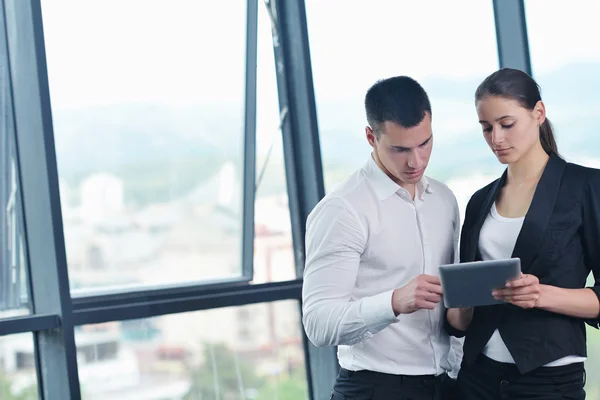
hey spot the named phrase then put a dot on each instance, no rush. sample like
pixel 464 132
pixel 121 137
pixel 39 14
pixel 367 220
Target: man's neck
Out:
pixel 410 187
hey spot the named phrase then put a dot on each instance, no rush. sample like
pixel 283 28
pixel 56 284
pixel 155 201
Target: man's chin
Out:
pixel 413 178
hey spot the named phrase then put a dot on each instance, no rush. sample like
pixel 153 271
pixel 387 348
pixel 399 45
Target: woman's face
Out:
pixel 509 129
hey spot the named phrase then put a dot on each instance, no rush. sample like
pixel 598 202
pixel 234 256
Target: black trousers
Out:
pixel 487 379
pixel 369 385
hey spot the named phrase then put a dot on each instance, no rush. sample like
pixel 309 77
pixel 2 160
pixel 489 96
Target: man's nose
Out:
pixel 415 160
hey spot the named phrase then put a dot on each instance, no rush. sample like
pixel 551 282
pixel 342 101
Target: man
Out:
pixel 373 247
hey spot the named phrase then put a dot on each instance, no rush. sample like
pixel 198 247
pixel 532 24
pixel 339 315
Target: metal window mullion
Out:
pixel 46 258
pixel 302 156
pixel 4 190
pixel 249 155
pixel 28 323
pixel 229 297
pixel 511 34
pixel 14 270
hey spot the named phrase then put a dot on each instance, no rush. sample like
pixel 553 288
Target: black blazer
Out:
pixel 559 243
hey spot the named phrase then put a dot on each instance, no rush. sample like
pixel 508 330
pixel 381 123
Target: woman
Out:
pixel 546 212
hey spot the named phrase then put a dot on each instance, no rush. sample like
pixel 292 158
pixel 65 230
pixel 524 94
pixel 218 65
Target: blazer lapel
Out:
pixel 540 211
pixel 483 213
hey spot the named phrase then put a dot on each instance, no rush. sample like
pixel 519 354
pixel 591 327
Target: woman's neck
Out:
pixel 528 168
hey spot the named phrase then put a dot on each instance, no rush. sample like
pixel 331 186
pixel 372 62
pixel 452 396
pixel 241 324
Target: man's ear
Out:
pixel 371 138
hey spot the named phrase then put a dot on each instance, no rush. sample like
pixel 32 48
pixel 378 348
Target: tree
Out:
pixel 223 375
pixel 592 365
pixel 292 387
pixel 6 393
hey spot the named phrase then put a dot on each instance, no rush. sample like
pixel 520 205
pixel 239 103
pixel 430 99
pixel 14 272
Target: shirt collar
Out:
pixel 385 187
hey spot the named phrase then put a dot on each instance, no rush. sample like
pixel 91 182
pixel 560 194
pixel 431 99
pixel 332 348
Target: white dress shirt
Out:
pixel 365 239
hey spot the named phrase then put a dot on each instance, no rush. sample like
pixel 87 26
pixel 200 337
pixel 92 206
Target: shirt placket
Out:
pixel 426 269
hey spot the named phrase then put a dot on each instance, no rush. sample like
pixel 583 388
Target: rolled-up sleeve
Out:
pixel 335 241
pixel 591 232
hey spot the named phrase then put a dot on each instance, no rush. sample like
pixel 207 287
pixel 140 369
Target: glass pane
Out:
pixel 18 380
pixel 249 352
pixel 14 299
pixel 148 108
pixel 592 364
pixel 383 38
pixel 566 64
pixel 273 250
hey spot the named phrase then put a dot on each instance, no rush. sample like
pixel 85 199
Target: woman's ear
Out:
pixel 539 112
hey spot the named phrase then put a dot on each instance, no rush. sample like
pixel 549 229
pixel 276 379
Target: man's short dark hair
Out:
pixel 400 99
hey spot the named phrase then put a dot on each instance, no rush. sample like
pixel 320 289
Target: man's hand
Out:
pixel 423 292
pixel 523 292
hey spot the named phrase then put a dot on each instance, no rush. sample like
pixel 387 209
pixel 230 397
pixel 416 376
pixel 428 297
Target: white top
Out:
pixel 365 239
pixel 497 240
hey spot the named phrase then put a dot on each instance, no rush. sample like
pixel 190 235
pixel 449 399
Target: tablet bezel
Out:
pixel 471 284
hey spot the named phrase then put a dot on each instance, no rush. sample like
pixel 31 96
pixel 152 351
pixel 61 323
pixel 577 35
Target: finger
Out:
pixel 525 280
pixel 431 279
pixel 432 297
pixel 522 298
pixel 532 279
pixel 502 292
pixel 520 291
pixel 527 290
pixel 516 282
pixel 423 294
pixel 432 288
pixel 425 305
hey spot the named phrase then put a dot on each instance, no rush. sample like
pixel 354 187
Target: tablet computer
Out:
pixel 471 284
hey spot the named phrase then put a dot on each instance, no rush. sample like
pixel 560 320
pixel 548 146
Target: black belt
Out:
pixel 390 379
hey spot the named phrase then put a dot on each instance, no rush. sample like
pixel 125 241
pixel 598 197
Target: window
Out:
pixel 17 372
pixel 565 63
pixel 273 250
pixel 565 60
pixel 192 356
pixel 149 129
pixel 14 299
pixel 148 113
pixel 383 38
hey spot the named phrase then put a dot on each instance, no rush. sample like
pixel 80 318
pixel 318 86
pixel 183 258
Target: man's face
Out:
pixel 403 153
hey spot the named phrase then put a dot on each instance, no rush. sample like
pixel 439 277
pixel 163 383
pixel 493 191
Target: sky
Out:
pixel 562 32
pixel 189 52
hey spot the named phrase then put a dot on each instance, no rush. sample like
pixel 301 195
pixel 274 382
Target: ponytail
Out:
pixel 547 138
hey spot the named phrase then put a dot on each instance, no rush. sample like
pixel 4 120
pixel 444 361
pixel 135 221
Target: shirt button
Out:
pixel 504 383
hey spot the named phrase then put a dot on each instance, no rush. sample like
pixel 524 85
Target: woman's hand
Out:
pixel 460 318
pixel 523 292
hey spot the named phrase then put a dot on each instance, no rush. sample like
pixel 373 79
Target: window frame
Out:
pixel 56 312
